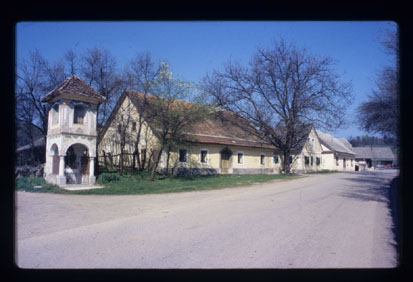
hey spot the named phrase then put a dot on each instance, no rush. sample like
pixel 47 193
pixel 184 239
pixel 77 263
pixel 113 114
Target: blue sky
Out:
pixel 194 48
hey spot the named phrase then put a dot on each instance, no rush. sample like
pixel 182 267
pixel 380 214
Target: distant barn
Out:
pixel 374 156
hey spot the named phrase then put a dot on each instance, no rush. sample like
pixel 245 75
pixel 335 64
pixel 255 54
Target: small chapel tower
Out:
pixel 71 133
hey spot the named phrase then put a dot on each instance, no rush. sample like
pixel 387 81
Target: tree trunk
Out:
pixel 286 164
pixel 155 165
pixel 167 160
pixel 121 162
pixel 138 138
pixel 133 159
pixel 139 160
pixel 104 160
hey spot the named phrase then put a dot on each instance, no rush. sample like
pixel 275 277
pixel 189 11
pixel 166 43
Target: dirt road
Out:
pixel 320 221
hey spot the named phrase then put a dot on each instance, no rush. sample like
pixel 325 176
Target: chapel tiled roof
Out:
pixel 339 145
pixel 373 153
pixel 74 85
pixel 220 127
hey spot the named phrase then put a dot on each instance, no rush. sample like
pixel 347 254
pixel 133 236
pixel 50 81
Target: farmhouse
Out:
pixel 307 155
pixel 337 153
pixel 216 144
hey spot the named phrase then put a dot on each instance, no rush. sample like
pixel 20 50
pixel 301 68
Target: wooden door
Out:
pixel 84 165
pixel 225 161
pixel 84 170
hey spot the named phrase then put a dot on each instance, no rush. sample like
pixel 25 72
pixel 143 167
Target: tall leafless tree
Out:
pixel 170 116
pixel 140 75
pixel 71 59
pixel 99 69
pixel 380 113
pixel 280 92
pixel 35 77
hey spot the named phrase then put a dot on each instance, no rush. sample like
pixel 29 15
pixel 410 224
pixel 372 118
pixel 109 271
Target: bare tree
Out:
pixel 35 77
pixel 71 59
pixel 98 68
pixel 170 116
pixel 280 92
pixel 380 113
pixel 122 136
pixel 140 74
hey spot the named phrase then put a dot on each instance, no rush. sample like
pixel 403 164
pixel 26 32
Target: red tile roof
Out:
pixel 74 85
pixel 220 127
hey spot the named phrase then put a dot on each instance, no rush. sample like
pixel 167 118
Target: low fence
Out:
pixel 129 160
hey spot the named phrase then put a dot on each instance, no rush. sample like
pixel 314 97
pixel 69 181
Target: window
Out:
pixel 291 160
pixel 240 157
pixel 336 161
pixel 276 159
pixel 262 159
pixel 312 160
pixel 134 125
pixel 307 160
pixel 351 162
pixel 204 156
pixel 317 161
pixel 79 114
pixel 183 155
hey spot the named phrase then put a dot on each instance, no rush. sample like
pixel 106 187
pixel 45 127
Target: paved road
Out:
pixel 319 221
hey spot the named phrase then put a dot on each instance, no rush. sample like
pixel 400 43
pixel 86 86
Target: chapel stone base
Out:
pixel 92 180
pixel 61 180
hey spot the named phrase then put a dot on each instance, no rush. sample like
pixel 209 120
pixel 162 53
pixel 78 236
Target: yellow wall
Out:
pixel 251 157
pixel 312 147
pixel 330 162
pixel 110 142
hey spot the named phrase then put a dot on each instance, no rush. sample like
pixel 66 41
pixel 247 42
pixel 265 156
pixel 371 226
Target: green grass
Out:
pixel 139 183
pixel 323 171
pixel 27 184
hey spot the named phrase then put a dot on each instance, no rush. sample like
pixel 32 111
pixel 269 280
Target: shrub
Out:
pixel 27 184
pixel 108 177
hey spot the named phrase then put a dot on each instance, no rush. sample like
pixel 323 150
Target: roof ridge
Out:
pixel 74 85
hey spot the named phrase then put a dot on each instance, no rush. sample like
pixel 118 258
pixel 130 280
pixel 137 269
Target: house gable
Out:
pixel 125 117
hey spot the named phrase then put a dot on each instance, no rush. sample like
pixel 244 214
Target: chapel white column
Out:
pixel 62 166
pixel 61 179
pixel 91 166
pixel 92 177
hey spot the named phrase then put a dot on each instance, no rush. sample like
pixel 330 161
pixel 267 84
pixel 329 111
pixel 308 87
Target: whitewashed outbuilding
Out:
pixel 337 153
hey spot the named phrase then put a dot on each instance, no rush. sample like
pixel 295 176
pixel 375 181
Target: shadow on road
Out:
pixel 395 213
pixel 368 188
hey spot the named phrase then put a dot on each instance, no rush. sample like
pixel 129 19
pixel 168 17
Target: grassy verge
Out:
pixel 323 171
pixel 139 183
pixel 27 184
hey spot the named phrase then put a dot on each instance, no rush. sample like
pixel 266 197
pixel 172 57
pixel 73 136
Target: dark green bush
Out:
pixel 108 177
pixel 28 183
